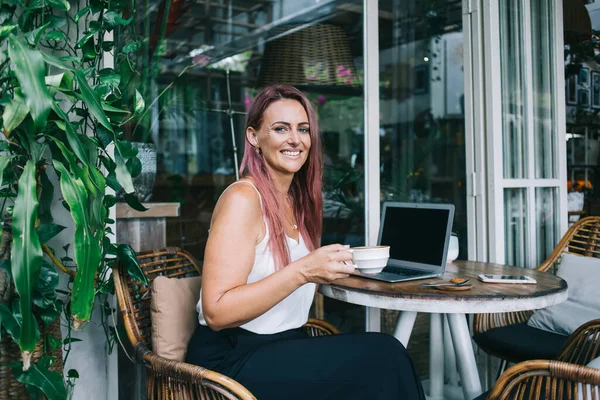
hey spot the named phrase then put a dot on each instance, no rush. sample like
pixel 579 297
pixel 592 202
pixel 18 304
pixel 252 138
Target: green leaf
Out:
pixel 71 59
pixel 57 35
pixel 95 26
pixel 48 314
pixel 84 39
pixel 109 108
pixel 81 13
pixel 57 21
pixel 53 343
pixel 46 199
pixel 72 136
pixel 33 37
pixel 88 253
pixel 111 80
pixel 113 18
pixel 9 323
pixel 89 49
pixel 110 200
pixel 131 47
pixel 135 166
pixel 14 113
pixel 133 201
pixel 3 164
pixel 39 376
pixel 26 255
pixel 87 94
pixel 30 71
pixel 62 5
pixel 90 98
pixel 69 340
pixel 48 231
pixel 7 29
pixel 54 80
pixel 108 45
pixel 67 154
pixel 122 172
pixel 128 258
pixel 139 105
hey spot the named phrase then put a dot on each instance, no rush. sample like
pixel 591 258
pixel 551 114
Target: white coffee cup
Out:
pixel 370 259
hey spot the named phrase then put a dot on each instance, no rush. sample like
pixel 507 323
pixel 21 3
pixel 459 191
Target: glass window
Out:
pixel 515 226
pixel 544 73
pixel 546 222
pixel 422 114
pixel 200 70
pixel 514 118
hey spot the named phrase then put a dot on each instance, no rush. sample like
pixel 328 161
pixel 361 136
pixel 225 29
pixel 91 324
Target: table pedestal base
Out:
pixel 460 339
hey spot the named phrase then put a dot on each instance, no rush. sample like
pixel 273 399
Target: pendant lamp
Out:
pixel 577 25
pixel 314 57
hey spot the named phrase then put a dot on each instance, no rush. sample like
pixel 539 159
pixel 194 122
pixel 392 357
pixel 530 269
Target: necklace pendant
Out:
pixel 295 227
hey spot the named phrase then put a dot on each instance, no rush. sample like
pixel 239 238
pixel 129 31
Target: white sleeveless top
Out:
pixel 289 313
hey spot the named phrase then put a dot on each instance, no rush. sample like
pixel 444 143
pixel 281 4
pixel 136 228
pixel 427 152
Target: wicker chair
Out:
pixel 583 238
pixel 547 380
pixel 169 379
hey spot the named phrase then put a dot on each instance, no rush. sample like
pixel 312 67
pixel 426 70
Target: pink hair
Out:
pixel 306 184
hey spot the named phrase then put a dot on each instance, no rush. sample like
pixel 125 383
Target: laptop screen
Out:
pixel 416 233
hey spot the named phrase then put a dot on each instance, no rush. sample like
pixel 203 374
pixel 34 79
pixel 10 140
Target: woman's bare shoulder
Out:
pixel 240 200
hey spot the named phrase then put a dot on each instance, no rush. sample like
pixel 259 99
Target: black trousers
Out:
pixel 291 365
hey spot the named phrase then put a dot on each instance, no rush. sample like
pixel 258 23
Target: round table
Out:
pixel 411 298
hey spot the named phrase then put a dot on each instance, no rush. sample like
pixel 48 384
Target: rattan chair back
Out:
pixel 547 380
pixel 134 297
pixel 167 379
pixel 583 238
pixel 583 344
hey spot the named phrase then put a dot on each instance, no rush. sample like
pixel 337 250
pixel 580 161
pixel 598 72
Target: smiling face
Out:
pixel 283 137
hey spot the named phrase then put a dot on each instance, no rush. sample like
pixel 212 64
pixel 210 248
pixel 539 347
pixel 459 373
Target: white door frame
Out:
pixel 492 134
pixel 474 130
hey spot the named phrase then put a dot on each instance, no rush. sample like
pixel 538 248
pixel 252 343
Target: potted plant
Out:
pixel 62 114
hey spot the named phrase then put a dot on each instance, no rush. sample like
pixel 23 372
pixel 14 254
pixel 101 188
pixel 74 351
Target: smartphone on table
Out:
pixel 506 278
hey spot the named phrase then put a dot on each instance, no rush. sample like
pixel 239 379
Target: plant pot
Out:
pixel 10 388
pixel 144 182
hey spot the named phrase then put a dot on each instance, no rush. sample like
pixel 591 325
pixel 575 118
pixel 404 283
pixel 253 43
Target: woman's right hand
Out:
pixel 326 264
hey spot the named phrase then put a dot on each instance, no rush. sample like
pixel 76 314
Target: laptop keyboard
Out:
pixel 405 271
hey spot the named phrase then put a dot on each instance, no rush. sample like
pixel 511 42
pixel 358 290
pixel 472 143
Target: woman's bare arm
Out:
pixel 237 226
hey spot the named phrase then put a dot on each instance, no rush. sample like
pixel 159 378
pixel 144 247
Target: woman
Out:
pixel 261 267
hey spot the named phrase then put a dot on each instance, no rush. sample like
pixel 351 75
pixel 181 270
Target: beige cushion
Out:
pixel 174 316
pixel 583 279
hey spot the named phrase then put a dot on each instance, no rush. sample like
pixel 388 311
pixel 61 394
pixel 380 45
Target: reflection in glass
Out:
pixel 422 105
pixel 199 72
pixel 515 226
pixel 542 26
pixel 546 222
pixel 514 118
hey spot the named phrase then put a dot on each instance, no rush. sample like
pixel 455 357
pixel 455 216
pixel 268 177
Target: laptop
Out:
pixel 418 235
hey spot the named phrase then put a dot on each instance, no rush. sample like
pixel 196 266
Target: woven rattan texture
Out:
pixel 170 262
pixel 583 238
pixel 10 352
pixel 543 379
pixel 316 55
pixel 583 345
pixel 168 379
